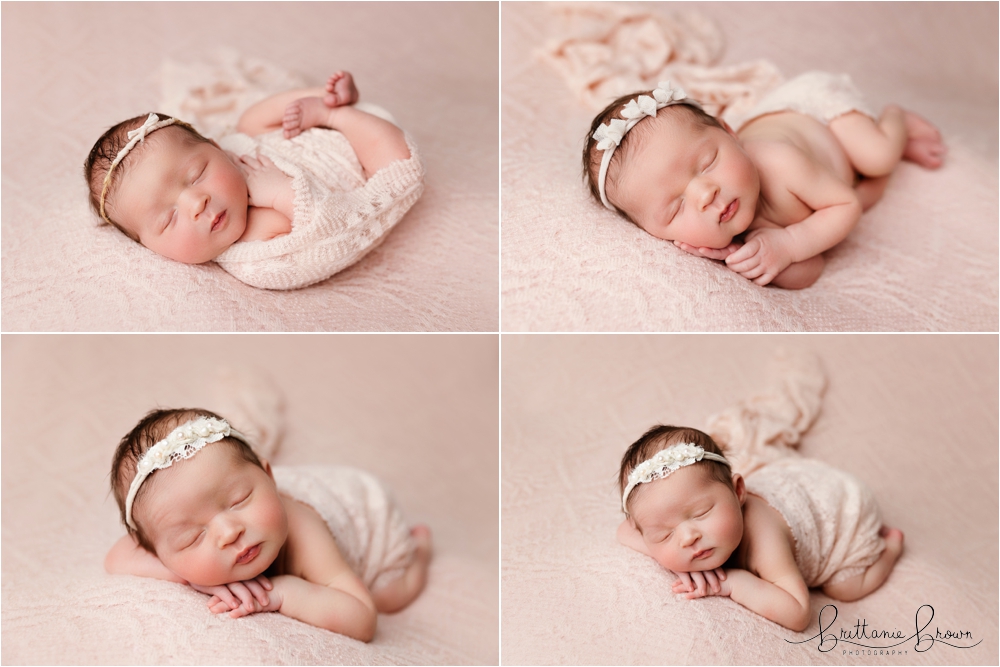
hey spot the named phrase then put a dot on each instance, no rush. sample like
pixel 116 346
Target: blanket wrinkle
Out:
pixel 606 50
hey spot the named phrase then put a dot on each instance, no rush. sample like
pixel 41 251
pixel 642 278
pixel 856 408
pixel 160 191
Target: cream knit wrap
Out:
pixel 339 216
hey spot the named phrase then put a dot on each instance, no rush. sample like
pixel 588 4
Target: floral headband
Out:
pixel 609 135
pixel 135 136
pixel 183 442
pixel 665 462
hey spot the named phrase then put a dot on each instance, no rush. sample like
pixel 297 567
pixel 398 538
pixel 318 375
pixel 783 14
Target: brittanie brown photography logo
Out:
pixel 865 639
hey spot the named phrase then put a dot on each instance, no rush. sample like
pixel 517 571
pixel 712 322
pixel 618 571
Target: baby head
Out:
pixel 167 187
pixel 680 494
pixel 660 161
pixel 191 490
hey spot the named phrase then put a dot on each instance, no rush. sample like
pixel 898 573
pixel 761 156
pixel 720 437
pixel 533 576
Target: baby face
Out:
pixel 689 521
pixel 687 182
pixel 215 518
pixel 184 200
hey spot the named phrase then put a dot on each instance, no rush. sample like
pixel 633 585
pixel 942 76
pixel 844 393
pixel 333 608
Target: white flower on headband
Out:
pixel 665 94
pixel 644 105
pixel 610 134
pixel 665 462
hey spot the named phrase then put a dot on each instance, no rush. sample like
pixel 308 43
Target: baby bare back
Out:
pixel 769 140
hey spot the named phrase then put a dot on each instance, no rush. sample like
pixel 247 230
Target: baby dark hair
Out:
pixel 659 438
pixel 104 153
pixel 592 156
pixel 152 428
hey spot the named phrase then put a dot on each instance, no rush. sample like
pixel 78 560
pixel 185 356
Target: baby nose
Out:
pixel 229 531
pixel 689 535
pixel 709 191
pixel 197 203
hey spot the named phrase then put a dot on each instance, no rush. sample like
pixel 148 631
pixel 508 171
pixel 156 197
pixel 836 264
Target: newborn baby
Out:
pixel 323 545
pixel 804 164
pixel 763 541
pixel 289 204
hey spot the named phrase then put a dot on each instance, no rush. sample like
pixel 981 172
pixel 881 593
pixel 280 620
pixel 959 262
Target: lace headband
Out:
pixel 609 135
pixel 665 462
pixel 135 136
pixel 183 442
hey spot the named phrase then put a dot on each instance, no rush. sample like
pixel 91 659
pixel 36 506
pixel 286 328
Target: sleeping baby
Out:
pixel 791 525
pixel 794 175
pixel 324 545
pixel 283 203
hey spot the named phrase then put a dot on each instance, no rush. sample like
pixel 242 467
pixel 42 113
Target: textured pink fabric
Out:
pixel 420 412
pixel 71 71
pixel 914 417
pixel 925 258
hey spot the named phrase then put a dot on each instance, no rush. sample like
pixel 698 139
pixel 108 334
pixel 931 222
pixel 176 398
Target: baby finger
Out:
pixel 257 591
pixel 711 583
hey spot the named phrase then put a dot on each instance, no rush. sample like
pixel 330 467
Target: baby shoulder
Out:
pixel 770 544
pixel 312 551
pixel 778 160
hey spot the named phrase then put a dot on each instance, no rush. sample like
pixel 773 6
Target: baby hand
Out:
pixel 764 255
pixel 702 584
pixel 711 253
pixel 265 182
pixel 242 597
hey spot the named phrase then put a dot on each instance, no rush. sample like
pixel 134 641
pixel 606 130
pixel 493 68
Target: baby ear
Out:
pixel 267 466
pixel 739 487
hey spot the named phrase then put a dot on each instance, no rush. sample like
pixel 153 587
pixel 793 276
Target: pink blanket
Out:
pixel 924 258
pixel 73 70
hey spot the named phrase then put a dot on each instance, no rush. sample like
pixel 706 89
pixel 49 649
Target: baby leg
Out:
pixel 857 587
pixel 874 149
pixel 402 590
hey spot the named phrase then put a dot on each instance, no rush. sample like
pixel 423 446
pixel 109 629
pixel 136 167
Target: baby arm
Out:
pixel 127 557
pixel 319 586
pixel 784 600
pixel 343 605
pixel 836 210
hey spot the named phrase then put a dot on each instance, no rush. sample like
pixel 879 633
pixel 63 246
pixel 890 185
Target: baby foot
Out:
pixel 340 90
pixel 302 114
pixel 421 535
pixel 893 540
pixel 923 142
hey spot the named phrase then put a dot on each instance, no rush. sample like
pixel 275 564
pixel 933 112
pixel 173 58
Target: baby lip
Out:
pixel 217 220
pixel 248 555
pixel 700 554
pixel 729 211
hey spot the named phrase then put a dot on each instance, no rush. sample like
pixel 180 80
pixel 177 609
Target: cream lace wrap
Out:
pixel 338 216
pixel 369 527
pixel 832 514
